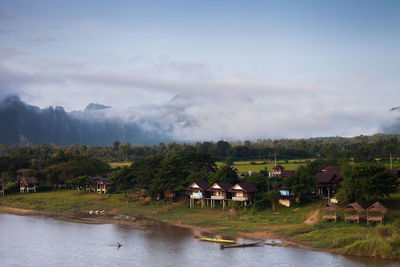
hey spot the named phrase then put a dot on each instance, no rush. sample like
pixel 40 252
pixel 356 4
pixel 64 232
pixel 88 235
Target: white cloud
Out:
pixel 209 106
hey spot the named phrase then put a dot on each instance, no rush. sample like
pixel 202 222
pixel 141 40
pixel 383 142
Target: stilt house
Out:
pixel 220 193
pixel 354 212
pixel 198 192
pixel 243 192
pixel 376 213
pixel 330 212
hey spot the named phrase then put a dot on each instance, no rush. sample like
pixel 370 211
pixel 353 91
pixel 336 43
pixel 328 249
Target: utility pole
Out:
pixel 391 162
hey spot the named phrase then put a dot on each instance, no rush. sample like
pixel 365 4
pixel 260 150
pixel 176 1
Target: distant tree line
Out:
pixel 360 149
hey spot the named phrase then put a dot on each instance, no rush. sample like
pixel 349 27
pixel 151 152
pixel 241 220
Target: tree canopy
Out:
pixel 365 183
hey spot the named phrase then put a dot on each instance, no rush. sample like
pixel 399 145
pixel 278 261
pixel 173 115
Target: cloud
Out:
pixel 216 107
pixel 40 40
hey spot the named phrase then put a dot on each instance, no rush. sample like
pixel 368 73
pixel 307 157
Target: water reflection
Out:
pixel 33 241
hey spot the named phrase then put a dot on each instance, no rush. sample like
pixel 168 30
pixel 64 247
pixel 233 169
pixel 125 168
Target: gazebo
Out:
pixel 330 211
pixel 376 213
pixel 354 212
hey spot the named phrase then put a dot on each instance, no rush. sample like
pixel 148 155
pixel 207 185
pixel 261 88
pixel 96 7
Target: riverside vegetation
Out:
pixel 288 223
pixel 164 172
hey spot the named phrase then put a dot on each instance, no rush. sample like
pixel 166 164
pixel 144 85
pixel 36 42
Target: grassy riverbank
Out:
pixel 288 223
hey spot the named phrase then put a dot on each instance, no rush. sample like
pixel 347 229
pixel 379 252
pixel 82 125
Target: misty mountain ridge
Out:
pixel 23 122
pixel 95 106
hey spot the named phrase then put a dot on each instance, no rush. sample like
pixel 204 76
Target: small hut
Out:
pixel 27 184
pixel 330 212
pixel 220 192
pixel 376 213
pixel 100 184
pixel 354 212
pixel 2 185
pixel 198 191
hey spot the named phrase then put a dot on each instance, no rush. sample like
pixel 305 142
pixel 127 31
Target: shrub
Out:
pixel 384 231
pixel 12 187
pixel 371 247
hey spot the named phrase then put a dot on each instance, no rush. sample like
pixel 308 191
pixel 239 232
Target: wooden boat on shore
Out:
pixel 208 239
pixel 239 245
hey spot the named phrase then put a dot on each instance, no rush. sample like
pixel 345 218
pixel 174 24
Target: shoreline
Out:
pixel 264 236
pixel 267 237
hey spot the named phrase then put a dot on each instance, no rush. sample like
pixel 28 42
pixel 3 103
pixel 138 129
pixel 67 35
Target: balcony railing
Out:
pixel 239 198
pixel 195 197
pixel 218 197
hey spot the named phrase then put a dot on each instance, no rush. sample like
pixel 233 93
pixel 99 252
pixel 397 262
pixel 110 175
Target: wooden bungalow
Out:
pixel 99 185
pixel 330 212
pixel 27 184
pixel 2 185
pixel 354 212
pixel 276 171
pixel 220 193
pixel 328 181
pixel 279 171
pixel 243 192
pixel 198 192
pixel 376 213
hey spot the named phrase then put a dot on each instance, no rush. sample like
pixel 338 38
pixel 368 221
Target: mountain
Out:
pixel 23 122
pixel 394 127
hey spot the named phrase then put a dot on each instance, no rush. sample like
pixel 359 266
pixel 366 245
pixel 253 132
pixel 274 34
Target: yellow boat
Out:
pixel 216 240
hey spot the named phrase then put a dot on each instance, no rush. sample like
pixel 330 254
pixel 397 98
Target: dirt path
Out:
pixel 313 219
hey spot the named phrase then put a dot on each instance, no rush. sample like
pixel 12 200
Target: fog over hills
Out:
pixel 94 125
pixel 102 125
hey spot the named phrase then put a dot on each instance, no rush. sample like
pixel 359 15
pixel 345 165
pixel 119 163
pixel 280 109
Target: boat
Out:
pixel 208 239
pixel 238 245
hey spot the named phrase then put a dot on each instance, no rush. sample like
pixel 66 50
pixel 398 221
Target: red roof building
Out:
pixel 27 184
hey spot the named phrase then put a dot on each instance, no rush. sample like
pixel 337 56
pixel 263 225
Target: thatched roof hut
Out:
pixel 375 213
pixel 331 207
pixel 354 207
pixel 330 211
pixel 354 212
pixel 377 207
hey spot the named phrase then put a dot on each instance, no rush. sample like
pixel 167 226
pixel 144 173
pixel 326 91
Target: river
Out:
pixel 43 241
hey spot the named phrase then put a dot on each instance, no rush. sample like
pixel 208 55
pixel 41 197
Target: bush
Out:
pixel 12 187
pixel 371 247
pixel 384 231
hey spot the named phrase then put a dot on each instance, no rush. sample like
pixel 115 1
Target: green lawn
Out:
pixel 245 166
pixel 119 164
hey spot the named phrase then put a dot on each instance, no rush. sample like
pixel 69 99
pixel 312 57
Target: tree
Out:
pixel 302 182
pixel 273 196
pixel 229 161
pixel 365 182
pixel 225 174
pixel 123 179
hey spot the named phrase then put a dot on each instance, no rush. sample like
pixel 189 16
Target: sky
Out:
pixel 210 70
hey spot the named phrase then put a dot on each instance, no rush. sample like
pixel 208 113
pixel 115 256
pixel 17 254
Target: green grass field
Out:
pixel 245 166
pixel 119 164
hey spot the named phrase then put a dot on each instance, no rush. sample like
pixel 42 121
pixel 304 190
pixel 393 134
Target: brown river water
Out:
pixel 43 241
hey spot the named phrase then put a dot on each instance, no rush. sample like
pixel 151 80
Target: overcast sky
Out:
pixel 242 69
